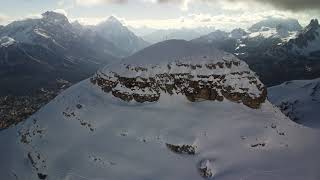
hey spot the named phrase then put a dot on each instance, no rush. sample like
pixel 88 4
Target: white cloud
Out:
pixel 243 19
pixel 61 3
pixel 4 19
pixel 97 2
pixel 61 11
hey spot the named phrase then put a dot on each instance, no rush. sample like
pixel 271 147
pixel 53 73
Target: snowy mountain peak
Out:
pixel 271 22
pixel 238 33
pixel 113 30
pixel 113 20
pixel 54 17
pixel 196 72
pixel 306 42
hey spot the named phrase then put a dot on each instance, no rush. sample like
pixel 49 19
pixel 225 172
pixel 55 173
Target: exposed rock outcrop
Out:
pixel 207 78
pixel 182 149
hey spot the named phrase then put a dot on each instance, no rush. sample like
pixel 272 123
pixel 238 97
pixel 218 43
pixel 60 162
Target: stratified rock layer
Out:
pixel 197 77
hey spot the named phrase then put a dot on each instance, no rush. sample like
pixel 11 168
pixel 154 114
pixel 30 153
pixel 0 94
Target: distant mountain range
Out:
pixel 259 37
pixel 36 52
pixel 305 44
pixel 277 49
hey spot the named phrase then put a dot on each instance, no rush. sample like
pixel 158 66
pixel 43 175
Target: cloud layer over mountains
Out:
pixel 283 4
pixel 290 4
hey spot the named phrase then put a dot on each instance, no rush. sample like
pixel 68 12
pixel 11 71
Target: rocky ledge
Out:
pixel 197 78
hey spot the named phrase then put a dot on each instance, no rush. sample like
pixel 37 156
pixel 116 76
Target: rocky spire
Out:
pixel 55 17
pixel 314 22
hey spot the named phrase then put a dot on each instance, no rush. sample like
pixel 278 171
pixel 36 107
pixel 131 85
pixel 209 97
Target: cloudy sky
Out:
pixel 163 14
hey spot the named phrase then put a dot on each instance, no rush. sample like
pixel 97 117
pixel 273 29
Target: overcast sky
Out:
pixel 160 14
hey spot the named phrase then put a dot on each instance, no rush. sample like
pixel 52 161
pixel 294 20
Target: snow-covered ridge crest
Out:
pixel 199 77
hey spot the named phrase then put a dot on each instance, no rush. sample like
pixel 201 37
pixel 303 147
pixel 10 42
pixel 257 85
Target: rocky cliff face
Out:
pixel 196 78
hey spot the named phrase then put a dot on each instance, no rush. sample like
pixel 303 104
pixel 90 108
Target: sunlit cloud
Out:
pixel 3 19
pixel 98 2
pixel 281 4
pixel 61 11
pixel 222 21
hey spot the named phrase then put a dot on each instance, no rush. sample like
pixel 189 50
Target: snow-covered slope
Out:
pixel 299 100
pixel 89 132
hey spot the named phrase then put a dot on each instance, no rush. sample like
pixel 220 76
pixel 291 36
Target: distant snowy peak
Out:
pixel 313 26
pixel 6 41
pixel 266 33
pixel 238 33
pixel 54 17
pixel 288 24
pixel 307 42
pixel 52 25
pixel 113 30
pixel 112 27
pixel 207 74
pixel 217 35
pixel 113 20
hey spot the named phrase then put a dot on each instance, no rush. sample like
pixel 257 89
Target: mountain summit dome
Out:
pixel 180 67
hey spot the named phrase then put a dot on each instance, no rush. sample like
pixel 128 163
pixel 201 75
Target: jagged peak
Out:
pixel 54 17
pixel 314 23
pixel 112 21
pixel 311 27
